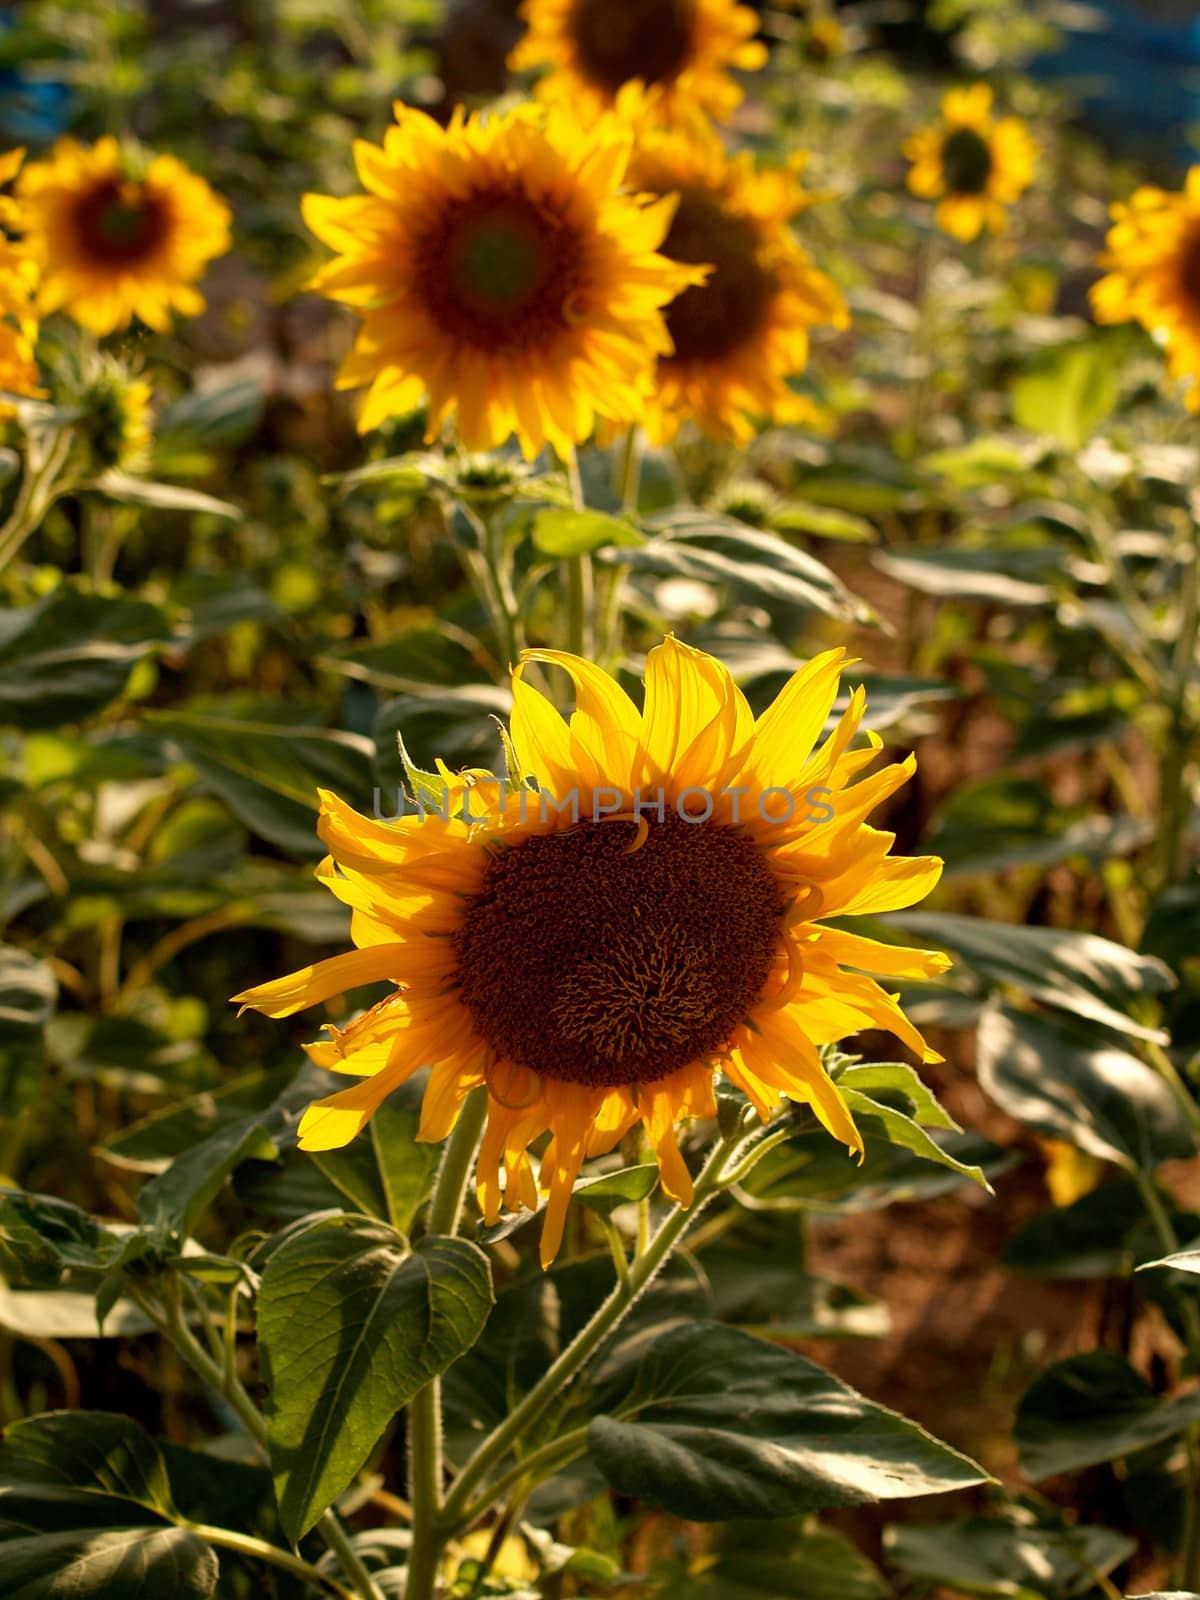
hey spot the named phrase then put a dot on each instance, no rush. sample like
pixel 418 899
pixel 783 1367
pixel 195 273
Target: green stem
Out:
pixel 630 484
pixel 538 1464
pixel 577 572
pixel 426 1468
pixel 246 1545
pixel 507 610
pixel 1160 1058
pixel 550 1386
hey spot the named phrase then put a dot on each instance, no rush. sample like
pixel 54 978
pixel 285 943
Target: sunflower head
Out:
pixel 18 297
pixel 501 269
pixel 972 164
pixel 685 49
pixel 639 908
pixel 117 233
pixel 1153 259
pixel 738 336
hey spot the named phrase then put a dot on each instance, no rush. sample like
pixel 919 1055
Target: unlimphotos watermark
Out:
pixel 481 802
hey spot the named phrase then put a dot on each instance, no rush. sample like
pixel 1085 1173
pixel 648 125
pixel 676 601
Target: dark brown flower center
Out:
pixel 710 320
pixel 498 271
pixel 119 224
pixel 581 961
pixel 619 40
pixel 1189 273
pixel 966 162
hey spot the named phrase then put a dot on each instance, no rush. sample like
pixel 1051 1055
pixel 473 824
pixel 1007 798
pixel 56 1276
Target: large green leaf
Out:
pixel 728 1425
pixel 88 1563
pixel 98 1452
pixel 175 1199
pixel 720 550
pixel 69 655
pixel 1014 1557
pixel 86 1513
pixel 978 575
pixel 351 1324
pixel 1080 973
pixel 1094 1095
pixel 1094 1407
pixel 268 770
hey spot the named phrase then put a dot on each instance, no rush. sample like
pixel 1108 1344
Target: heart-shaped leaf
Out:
pixel 351 1324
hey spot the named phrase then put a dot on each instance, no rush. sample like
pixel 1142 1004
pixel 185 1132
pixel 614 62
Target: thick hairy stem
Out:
pixel 425 1463
pixel 568 1365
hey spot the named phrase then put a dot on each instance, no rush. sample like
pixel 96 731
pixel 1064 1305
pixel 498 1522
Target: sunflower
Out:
pixel 118 234
pixel 1153 257
pixel 685 48
pixel 595 950
pixel 740 334
pixel 18 298
pixel 500 269
pixel 971 164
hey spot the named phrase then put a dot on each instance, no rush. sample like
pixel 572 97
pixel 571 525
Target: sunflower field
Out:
pixel 599 776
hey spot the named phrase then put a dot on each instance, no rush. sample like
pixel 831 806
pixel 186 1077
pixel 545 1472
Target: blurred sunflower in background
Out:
pixel 117 233
pixel 18 297
pixel 596 972
pixel 972 164
pixel 738 336
pixel 1153 261
pixel 687 49
pixel 501 271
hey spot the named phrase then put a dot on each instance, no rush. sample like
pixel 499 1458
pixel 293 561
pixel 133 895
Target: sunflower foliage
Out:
pixel 457 467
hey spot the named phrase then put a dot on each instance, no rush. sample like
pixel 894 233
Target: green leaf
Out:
pixel 708 548
pixel 1069 393
pixel 898 1079
pixel 215 415
pixel 613 1189
pixel 174 1201
pixel 730 1426
pixel 28 991
pixel 85 1513
pixel 770 1560
pixel 1096 1096
pixel 1179 1260
pixel 577 533
pixel 96 1451
pixel 824 522
pixel 69 655
pixel 406 1168
pixel 1080 973
pixel 121 487
pixel 1090 1408
pixel 351 1324
pixel 1013 1557
pixel 1090 1238
pixel 138 1563
pixel 878 1119
pixel 976 575
pixel 268 771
